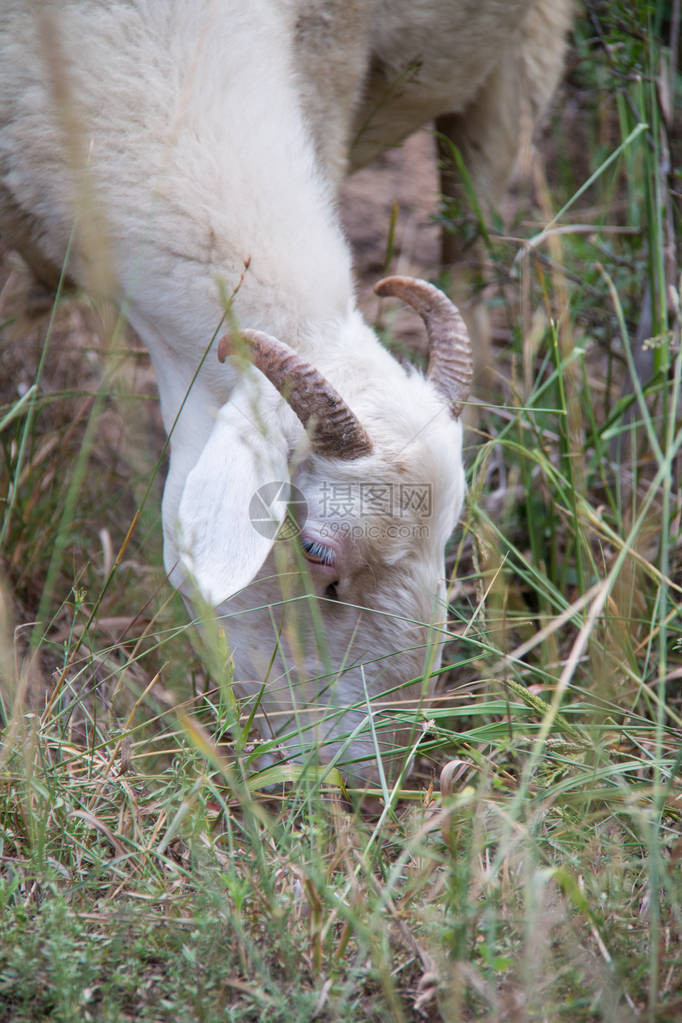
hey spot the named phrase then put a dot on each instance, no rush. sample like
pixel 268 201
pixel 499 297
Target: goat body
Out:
pixel 197 147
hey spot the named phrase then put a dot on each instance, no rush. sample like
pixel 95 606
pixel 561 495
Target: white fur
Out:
pixel 191 139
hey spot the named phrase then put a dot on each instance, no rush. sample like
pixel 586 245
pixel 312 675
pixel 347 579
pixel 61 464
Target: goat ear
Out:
pixel 220 547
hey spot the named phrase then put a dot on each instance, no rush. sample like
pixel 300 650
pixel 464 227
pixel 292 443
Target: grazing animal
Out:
pixel 484 70
pixel 187 155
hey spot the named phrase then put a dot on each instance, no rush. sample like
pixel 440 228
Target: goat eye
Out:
pixel 318 553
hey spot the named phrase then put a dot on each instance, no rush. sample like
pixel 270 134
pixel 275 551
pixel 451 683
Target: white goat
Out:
pixel 191 139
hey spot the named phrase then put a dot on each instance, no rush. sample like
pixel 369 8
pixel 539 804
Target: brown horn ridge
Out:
pixel 336 432
pixel 450 367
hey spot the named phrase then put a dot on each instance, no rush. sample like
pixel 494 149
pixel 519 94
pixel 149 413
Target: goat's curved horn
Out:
pixel 335 430
pixel 450 367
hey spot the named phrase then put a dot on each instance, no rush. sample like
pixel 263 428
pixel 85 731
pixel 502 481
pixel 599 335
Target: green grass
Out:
pixel 149 872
